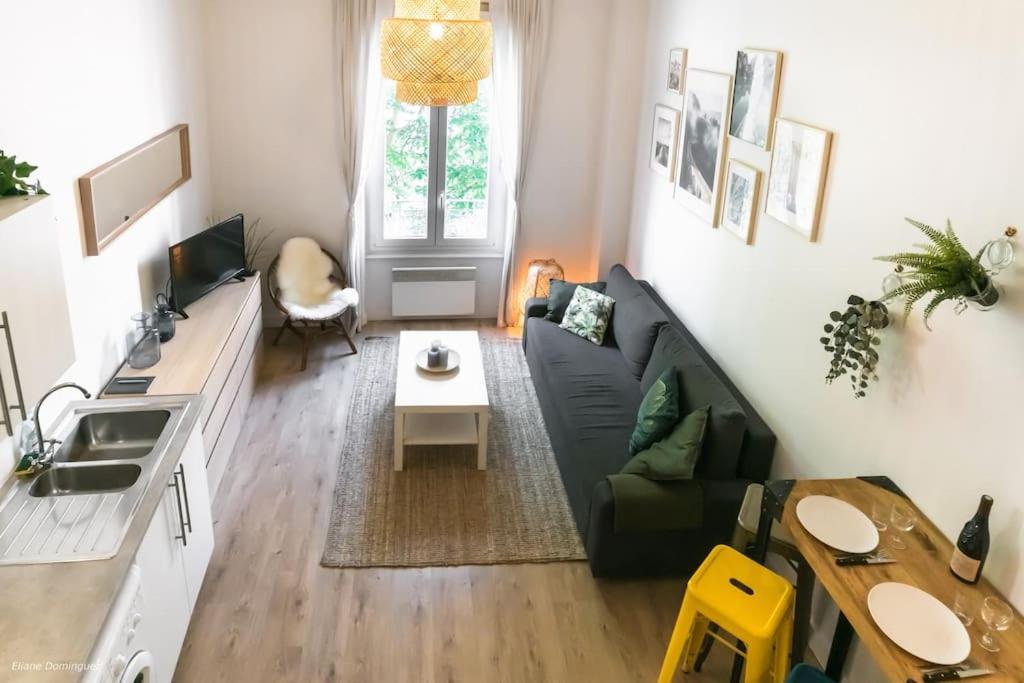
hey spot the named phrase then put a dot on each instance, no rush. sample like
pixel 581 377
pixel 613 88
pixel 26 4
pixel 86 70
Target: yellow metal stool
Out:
pixel 751 603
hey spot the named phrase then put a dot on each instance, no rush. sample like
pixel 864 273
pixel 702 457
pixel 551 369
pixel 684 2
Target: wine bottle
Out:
pixel 972 546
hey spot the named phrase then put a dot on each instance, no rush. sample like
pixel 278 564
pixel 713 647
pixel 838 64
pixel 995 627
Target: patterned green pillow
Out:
pixel 658 414
pixel 588 314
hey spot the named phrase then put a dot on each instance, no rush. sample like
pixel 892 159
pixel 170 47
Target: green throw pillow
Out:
pixel 674 457
pixel 561 294
pixel 658 413
pixel 588 314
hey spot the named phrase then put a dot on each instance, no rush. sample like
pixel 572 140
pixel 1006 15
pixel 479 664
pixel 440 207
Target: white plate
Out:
pixel 453 361
pixel 838 524
pixel 919 623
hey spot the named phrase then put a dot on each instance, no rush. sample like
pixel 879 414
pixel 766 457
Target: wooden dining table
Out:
pixel 924 564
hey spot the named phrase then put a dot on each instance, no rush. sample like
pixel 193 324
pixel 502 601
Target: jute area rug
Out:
pixel 440 510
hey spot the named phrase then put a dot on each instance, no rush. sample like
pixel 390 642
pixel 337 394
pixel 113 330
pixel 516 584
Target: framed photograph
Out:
pixel 742 183
pixel 663 139
pixel 796 180
pixel 755 96
pixel 702 142
pixel 676 68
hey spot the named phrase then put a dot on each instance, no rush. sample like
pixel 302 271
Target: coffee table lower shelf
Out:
pixel 441 428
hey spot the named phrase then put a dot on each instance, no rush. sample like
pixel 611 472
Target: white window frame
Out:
pixel 435 243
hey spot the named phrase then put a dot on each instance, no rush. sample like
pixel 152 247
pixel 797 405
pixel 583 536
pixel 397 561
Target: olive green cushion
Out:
pixel 659 412
pixel 560 295
pixel 674 457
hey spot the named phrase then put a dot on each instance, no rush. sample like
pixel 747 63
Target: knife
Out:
pixel 954 674
pixel 857 560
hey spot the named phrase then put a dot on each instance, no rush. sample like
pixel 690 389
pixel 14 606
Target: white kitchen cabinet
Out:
pixel 34 298
pixel 164 593
pixel 175 553
pixel 199 533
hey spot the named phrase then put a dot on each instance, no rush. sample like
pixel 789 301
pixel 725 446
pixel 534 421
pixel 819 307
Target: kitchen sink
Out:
pixel 113 436
pixel 108 456
pixel 74 481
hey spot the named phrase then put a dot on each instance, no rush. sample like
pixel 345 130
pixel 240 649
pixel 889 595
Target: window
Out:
pixel 438 171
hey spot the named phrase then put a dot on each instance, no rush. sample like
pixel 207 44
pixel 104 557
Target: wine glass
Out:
pixel 878 515
pixel 902 519
pixel 963 606
pixel 997 616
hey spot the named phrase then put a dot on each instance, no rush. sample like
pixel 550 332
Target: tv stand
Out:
pixel 216 352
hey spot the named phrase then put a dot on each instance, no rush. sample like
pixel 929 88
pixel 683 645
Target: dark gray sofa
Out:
pixel 589 396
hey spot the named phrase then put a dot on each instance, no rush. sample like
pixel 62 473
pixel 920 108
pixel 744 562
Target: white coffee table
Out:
pixel 441 408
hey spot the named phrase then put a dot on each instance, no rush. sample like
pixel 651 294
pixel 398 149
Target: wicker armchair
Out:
pixel 315 321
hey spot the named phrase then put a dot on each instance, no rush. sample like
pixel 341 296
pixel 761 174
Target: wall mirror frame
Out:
pixel 120 192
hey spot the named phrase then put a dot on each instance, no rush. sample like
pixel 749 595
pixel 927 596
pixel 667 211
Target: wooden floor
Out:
pixel 269 612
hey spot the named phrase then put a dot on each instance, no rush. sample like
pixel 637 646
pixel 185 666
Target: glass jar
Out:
pixel 143 341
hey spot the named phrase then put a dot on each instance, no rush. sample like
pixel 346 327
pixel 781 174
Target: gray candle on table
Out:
pixel 434 354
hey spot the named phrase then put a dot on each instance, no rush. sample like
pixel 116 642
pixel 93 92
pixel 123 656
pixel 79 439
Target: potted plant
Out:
pixel 14 178
pixel 254 244
pixel 944 269
pixel 852 338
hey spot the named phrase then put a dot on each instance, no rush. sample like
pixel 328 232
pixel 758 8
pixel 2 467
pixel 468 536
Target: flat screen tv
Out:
pixel 205 261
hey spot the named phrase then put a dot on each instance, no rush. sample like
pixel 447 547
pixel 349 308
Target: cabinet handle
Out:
pixel 181 516
pixel 184 492
pixel 5 408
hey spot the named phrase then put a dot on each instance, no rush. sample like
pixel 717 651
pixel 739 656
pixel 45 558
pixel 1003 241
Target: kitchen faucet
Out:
pixel 35 416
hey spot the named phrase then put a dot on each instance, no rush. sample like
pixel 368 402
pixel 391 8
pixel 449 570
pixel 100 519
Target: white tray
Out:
pixel 453 361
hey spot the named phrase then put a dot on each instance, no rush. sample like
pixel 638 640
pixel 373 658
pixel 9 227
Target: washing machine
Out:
pixel 120 654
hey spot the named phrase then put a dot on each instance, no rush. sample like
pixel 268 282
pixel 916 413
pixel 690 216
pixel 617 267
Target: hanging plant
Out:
pixel 14 177
pixel 852 340
pixel 943 269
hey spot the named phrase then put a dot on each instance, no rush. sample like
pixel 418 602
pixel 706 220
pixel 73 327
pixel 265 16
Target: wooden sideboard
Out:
pixel 216 352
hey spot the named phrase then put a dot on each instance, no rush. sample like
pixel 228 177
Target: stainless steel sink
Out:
pixel 113 436
pixel 81 508
pixel 73 481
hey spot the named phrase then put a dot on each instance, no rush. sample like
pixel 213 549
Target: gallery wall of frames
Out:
pixel 690 147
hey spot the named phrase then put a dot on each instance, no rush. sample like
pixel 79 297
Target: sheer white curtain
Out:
pixel 521 30
pixel 357 56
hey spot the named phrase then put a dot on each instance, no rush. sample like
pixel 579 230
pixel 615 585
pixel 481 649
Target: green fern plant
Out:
pixel 943 268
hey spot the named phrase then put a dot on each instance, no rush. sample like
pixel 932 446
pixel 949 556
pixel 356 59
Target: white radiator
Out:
pixel 433 292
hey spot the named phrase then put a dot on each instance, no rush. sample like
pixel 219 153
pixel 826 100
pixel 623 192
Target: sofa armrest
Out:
pixel 536 307
pixel 660 553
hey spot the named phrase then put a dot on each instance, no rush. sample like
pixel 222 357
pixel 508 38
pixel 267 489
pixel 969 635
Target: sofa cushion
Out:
pixel 635 319
pixel 561 294
pixel 658 414
pixel 592 401
pixel 699 387
pixel 675 456
pixel 588 315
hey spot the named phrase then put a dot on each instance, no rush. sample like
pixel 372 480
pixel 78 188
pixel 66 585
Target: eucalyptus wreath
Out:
pixel 852 340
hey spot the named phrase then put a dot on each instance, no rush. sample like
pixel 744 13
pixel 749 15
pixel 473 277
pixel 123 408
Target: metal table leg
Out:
pixel 840 648
pixel 802 611
pixel 764 531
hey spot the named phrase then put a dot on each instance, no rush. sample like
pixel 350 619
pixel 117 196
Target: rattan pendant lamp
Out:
pixel 436 51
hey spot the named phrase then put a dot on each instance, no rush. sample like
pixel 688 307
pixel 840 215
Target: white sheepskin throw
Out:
pixel 303 273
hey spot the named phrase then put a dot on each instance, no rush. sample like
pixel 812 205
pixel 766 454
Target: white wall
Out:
pixel 89 81
pixel 273 141
pixel 923 98
pixel 273 133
